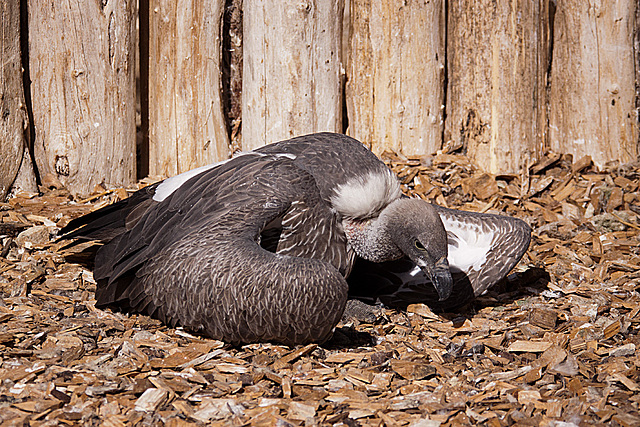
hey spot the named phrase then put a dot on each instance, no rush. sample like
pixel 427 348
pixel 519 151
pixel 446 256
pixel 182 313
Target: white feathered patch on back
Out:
pixel 365 196
pixel 169 185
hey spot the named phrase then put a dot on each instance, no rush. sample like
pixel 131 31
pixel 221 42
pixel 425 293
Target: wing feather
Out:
pixel 194 259
pixel 486 247
pixel 483 248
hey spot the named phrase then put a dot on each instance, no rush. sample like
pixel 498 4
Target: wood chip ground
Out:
pixel 555 344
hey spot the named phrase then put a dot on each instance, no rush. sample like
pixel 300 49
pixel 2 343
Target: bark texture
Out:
pixel 291 69
pixel 396 72
pixel 497 62
pixel 592 106
pixel 14 154
pixel 186 122
pixel 636 52
pixel 81 60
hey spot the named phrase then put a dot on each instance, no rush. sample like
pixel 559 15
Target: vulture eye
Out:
pixel 419 245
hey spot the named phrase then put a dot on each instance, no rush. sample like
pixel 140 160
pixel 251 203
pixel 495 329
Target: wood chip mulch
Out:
pixel 555 344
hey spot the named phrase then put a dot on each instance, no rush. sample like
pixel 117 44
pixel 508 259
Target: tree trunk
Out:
pixel 291 69
pixel 636 52
pixel 592 106
pixel 395 87
pixel 14 154
pixel 81 57
pixel 186 123
pixel 496 98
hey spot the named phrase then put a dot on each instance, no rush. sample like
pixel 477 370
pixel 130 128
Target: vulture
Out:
pixel 261 247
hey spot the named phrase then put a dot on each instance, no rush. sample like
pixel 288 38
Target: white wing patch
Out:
pixel 285 155
pixel 415 271
pixel 468 245
pixel 365 196
pixel 169 185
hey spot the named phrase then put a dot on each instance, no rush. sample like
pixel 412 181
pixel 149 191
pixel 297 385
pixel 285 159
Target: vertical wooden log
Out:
pixel 592 106
pixel 497 64
pixel 14 154
pixel 291 69
pixel 81 60
pixel 395 75
pixel 142 143
pixel 186 123
pixel 636 51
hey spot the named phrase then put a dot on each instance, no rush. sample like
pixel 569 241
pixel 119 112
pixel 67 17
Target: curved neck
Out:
pixel 371 239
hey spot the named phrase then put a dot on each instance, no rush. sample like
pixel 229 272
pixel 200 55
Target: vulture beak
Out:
pixel 442 280
pixel 440 276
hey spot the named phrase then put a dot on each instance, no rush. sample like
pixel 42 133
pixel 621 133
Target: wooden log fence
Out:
pixel 502 81
pixel 82 72
pixel 498 58
pixel 16 168
pixel 396 73
pixel 186 124
pixel 593 99
pixel 291 69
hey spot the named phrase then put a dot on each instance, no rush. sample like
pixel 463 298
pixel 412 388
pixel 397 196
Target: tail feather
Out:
pixel 110 221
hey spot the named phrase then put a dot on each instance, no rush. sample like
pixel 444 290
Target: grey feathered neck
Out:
pixel 377 239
